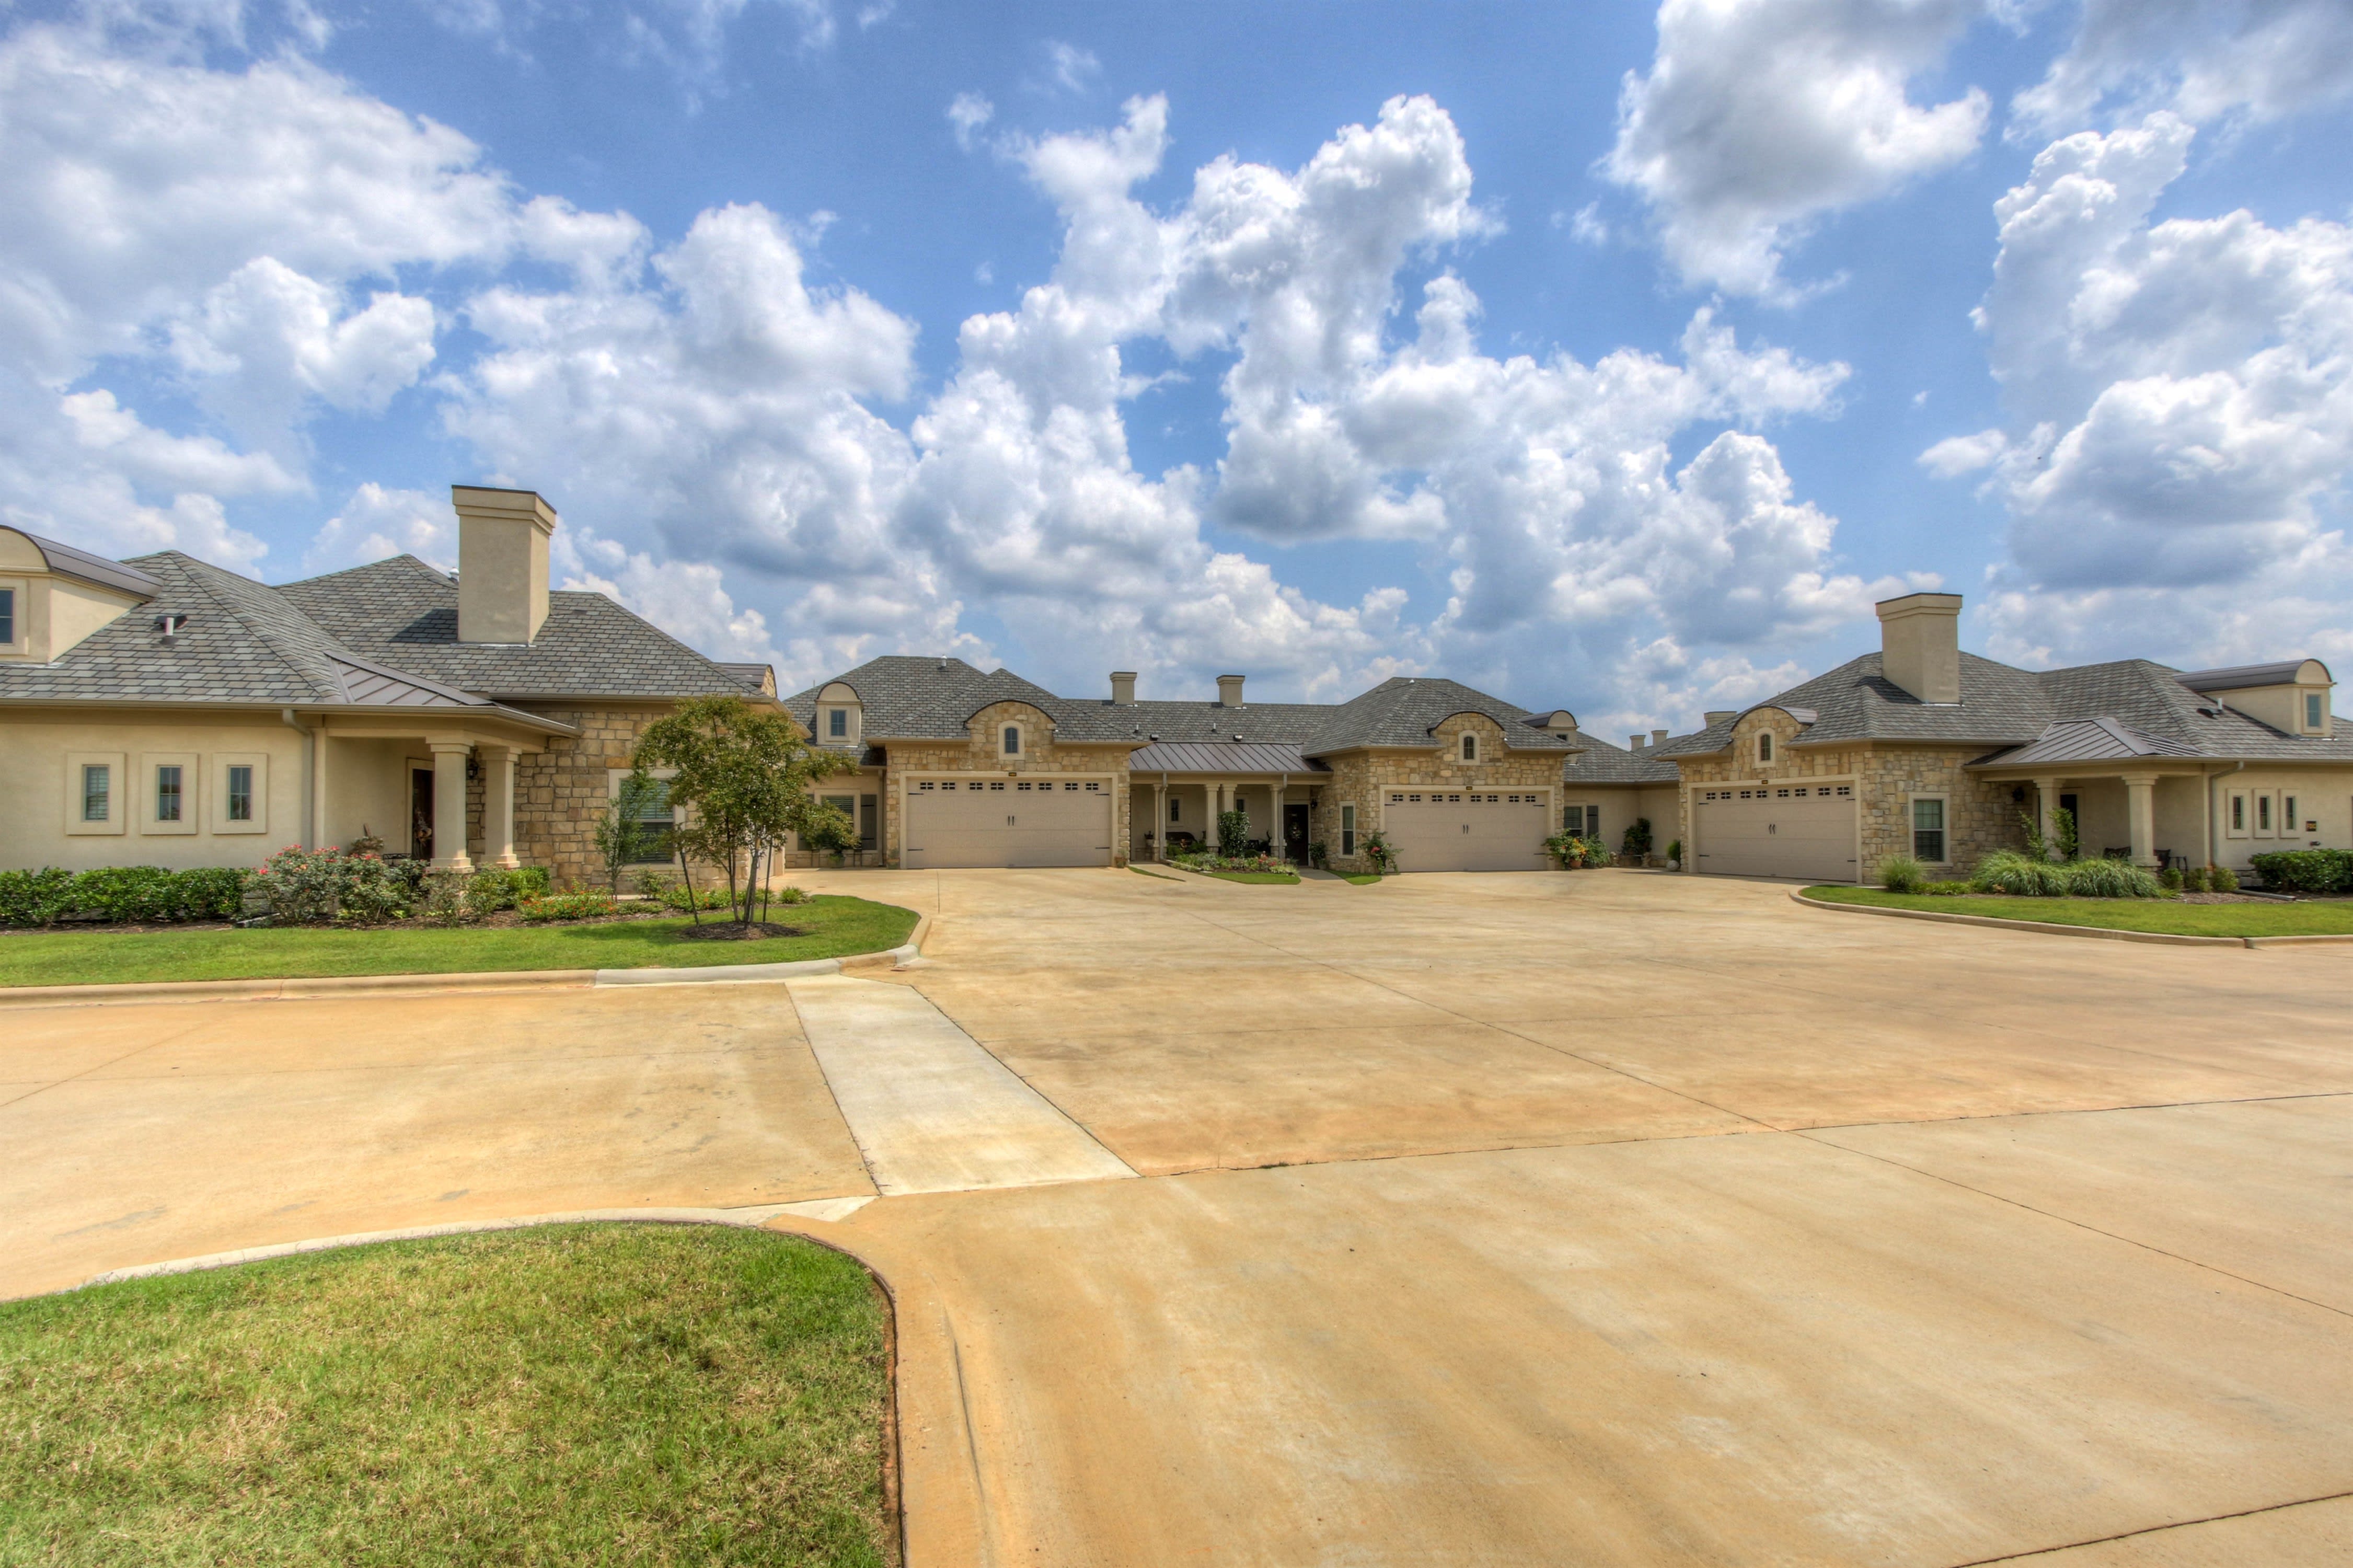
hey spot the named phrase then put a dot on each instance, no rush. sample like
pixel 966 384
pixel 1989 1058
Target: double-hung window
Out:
pixel 2263 813
pixel 657 820
pixel 240 794
pixel 1929 830
pixel 1348 830
pixel 167 792
pixel 96 792
pixel 837 724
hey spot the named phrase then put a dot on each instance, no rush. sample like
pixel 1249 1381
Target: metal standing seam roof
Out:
pixel 2240 678
pixel 1221 757
pixel 68 562
pixel 2089 740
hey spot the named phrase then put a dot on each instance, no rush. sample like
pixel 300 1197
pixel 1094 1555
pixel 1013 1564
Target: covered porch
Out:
pixel 2154 812
pixel 429 788
pixel 1177 791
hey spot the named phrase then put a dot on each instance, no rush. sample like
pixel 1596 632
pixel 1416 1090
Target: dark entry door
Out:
pixel 420 812
pixel 1294 834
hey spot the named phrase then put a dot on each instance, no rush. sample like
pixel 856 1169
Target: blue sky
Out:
pixel 1613 357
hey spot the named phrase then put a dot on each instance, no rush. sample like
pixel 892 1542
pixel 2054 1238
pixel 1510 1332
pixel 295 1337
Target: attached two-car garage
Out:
pixel 1007 822
pixel 1799 831
pixel 1467 830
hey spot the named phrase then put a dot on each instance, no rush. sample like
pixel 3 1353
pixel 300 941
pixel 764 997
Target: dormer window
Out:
pixel 2315 708
pixel 1764 748
pixel 1469 748
pixel 837 724
pixel 1011 742
pixel 7 617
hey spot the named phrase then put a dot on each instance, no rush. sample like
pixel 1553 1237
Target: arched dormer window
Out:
pixel 1469 747
pixel 1764 748
pixel 1009 740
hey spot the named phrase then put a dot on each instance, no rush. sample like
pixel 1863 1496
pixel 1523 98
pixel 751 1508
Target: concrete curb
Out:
pixel 2053 927
pixel 752 1218
pixel 485 981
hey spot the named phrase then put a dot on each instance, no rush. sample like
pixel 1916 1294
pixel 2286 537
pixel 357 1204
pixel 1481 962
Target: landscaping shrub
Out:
pixel 1947 890
pixel 2101 878
pixel 1572 853
pixel 301 884
pixel 124 893
pixel 2222 880
pixel 367 893
pixel 647 884
pixel 2172 878
pixel 2306 870
pixel 208 893
pixel 34 898
pixel 1637 842
pixel 1233 834
pixel 2193 881
pixel 577 904
pixel 678 898
pixel 2007 871
pixel 792 895
pixel 1675 851
pixel 1901 873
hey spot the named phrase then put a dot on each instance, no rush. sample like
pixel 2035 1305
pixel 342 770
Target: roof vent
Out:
pixel 170 625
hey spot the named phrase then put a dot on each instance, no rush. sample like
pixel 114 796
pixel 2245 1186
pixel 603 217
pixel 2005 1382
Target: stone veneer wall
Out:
pixel 978 753
pixel 1359 777
pixel 1979 815
pixel 561 791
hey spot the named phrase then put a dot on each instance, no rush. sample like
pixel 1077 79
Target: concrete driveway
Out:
pixel 1595 1218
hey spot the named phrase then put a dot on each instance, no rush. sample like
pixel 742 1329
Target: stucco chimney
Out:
pixel 1122 687
pixel 1230 691
pixel 1716 716
pixel 502 563
pixel 1658 737
pixel 1920 645
pixel 1634 743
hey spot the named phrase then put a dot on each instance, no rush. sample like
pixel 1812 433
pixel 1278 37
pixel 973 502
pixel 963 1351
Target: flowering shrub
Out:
pixel 1208 862
pixel 1573 853
pixel 312 887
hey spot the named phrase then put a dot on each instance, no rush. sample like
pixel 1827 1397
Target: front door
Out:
pixel 1294 834
pixel 420 812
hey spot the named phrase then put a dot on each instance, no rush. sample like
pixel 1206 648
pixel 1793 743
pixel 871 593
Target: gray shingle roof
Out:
pixel 1600 763
pixel 906 698
pixel 403 613
pixel 2005 707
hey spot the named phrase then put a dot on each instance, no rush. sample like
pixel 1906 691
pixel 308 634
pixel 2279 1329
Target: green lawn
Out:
pixel 580 1393
pixel 1361 877
pixel 836 926
pixel 1281 877
pixel 2119 914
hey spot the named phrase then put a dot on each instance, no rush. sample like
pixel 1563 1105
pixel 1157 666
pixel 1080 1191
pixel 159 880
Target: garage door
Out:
pixel 1798 830
pixel 1005 822
pixel 1442 831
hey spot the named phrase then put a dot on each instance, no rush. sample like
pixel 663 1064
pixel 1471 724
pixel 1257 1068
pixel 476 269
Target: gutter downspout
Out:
pixel 310 773
pixel 2211 780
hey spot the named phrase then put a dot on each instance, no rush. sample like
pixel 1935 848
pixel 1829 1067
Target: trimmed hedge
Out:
pixel 126 893
pixel 2306 870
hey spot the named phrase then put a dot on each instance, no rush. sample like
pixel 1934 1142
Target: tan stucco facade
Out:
pixel 42 768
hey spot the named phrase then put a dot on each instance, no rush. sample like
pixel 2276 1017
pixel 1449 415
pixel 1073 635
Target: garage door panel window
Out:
pixel 1928 831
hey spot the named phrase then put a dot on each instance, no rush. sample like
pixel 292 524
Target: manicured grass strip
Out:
pixel 1285 877
pixel 574 1394
pixel 1155 876
pixel 836 926
pixel 2164 915
pixel 1361 878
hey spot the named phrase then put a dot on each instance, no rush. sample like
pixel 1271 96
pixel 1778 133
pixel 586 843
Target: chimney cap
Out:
pixel 1922 604
pixel 1716 716
pixel 521 505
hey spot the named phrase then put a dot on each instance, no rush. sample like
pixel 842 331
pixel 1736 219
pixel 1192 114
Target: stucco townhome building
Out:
pixel 960 766
pixel 162 710
pixel 1921 749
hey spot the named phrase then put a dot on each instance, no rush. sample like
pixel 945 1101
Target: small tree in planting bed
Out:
pixel 742 776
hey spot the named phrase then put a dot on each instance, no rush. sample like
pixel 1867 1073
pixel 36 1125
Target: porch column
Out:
pixel 2046 801
pixel 450 807
pixel 1160 820
pixel 498 806
pixel 2140 810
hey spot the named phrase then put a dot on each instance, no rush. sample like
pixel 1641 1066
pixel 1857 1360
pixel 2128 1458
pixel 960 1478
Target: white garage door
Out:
pixel 1792 830
pixel 1007 822
pixel 1438 830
